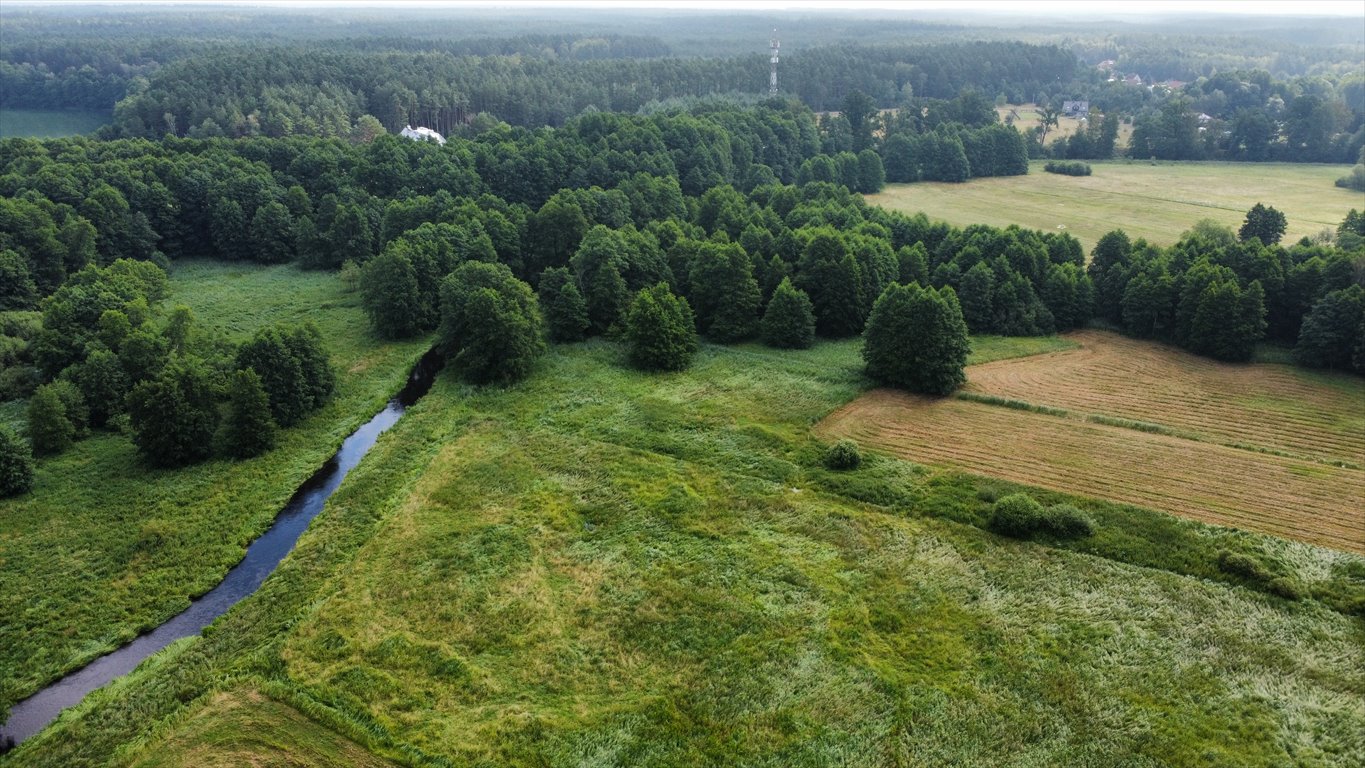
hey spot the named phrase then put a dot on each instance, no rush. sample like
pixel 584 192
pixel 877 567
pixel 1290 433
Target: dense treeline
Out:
pixel 275 91
pixel 728 223
pixel 1219 294
pixel 1245 116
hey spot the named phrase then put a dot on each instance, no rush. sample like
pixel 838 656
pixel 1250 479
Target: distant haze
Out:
pixel 1111 8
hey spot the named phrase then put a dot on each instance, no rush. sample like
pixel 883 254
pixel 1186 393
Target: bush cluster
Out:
pixel 1258 575
pixel 843 455
pixel 1067 168
pixel 1021 516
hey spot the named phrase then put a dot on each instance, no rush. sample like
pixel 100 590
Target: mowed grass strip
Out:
pixel 243 727
pixel 1262 406
pixel 1227 486
pixel 1155 201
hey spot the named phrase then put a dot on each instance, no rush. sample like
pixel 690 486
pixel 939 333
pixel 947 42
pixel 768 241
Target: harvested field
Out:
pixel 1297 499
pixel 1268 407
pixel 1152 200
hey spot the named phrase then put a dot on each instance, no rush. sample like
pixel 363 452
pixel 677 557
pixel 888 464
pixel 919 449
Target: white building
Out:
pixel 422 134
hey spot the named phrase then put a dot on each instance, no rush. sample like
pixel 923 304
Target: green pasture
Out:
pixel 599 566
pixel 1152 200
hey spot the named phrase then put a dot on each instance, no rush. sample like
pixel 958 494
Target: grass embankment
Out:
pixel 104 547
pixel 599 566
pixel 1156 201
pixel 49 123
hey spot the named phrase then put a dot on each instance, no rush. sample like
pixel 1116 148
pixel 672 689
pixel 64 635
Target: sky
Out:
pixel 1089 8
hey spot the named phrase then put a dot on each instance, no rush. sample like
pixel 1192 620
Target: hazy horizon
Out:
pixel 1000 8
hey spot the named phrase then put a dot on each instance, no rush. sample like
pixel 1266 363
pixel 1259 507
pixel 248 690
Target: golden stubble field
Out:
pixel 1259 446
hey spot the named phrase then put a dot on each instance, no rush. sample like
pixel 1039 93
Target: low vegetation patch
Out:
pixel 1067 168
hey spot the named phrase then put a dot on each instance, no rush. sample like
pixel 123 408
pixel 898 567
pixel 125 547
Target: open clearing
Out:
pixel 1206 406
pixel 49 123
pixel 1156 201
pixel 1026 118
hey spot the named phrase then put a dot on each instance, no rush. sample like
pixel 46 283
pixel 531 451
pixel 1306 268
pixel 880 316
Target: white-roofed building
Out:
pixel 422 134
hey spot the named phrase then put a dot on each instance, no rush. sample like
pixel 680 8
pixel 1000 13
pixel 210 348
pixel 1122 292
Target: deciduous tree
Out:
pixel 917 340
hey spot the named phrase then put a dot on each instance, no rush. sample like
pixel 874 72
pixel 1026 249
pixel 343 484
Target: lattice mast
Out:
pixel 772 75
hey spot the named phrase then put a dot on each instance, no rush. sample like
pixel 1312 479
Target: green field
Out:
pixel 603 567
pixel 1156 201
pixel 104 547
pixel 49 123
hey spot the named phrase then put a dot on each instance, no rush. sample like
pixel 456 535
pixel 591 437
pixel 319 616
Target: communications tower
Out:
pixel 772 77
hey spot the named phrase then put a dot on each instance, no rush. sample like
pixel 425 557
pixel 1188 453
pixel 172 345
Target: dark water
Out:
pixel 34 713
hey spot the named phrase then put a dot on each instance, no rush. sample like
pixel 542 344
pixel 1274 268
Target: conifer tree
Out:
pixel 16 465
pixel 660 330
pixel 248 429
pixel 49 429
pixel 566 314
pixel 789 322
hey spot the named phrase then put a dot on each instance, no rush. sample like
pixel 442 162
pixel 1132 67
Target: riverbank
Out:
pixel 104 548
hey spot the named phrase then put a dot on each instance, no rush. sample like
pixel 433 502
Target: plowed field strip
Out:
pixel 1270 406
pixel 1272 494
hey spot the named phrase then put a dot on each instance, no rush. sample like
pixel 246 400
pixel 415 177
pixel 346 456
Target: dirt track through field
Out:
pixel 1274 407
pixel 1277 407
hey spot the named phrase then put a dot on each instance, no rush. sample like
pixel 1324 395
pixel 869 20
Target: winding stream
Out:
pixel 34 713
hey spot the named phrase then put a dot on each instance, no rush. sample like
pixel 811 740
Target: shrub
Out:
pixel 1017 515
pixel 16 465
pixel 1072 168
pixel 1286 587
pixel 1244 566
pixel 1354 180
pixel 1067 522
pixel 1020 516
pixel 843 455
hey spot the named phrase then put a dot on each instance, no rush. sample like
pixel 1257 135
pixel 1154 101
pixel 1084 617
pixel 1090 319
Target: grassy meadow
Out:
pixel 1152 200
pixel 104 547
pixel 49 123
pixel 1026 118
pixel 598 566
